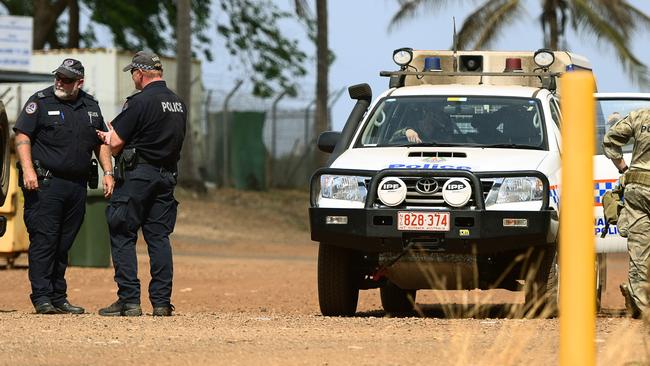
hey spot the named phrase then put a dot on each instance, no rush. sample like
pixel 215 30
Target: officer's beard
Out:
pixel 65 95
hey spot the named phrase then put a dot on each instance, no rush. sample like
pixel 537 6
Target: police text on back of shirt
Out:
pixel 172 107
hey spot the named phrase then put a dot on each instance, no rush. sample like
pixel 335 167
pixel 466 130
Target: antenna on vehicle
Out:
pixel 455 40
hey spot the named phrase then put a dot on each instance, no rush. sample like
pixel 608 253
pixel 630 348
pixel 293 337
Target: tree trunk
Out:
pixel 550 19
pixel 322 71
pixel 188 176
pixel 73 24
pixel 45 16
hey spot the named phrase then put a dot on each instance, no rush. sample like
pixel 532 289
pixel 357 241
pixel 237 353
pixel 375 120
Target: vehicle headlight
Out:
pixel 343 187
pixel 519 189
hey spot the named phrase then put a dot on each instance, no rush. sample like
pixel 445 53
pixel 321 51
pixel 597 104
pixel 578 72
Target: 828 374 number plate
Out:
pixel 423 221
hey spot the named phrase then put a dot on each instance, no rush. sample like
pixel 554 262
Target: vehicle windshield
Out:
pixel 610 111
pixel 507 122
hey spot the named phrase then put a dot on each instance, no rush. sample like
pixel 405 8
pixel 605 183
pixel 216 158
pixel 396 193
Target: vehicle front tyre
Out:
pixel 338 282
pixel 396 300
pixel 542 288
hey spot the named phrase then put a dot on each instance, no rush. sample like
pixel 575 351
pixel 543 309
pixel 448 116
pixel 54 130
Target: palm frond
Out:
pixel 302 9
pixel 590 21
pixel 481 27
pixel 409 9
pixel 639 18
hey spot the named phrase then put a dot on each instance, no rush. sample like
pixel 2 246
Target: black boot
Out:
pixel 165 310
pixel 46 308
pixel 68 308
pixel 121 309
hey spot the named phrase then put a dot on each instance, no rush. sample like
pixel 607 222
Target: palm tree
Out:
pixel 613 21
pixel 323 59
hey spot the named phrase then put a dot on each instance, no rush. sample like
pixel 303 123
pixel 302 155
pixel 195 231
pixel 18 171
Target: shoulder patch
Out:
pixel 31 108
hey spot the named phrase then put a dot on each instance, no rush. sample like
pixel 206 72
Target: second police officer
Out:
pixel 146 139
pixel 55 139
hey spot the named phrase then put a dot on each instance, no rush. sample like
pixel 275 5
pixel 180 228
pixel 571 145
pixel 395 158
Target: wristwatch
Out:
pixel 108 172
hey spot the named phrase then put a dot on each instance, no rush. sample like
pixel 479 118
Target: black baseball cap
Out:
pixel 144 60
pixel 70 68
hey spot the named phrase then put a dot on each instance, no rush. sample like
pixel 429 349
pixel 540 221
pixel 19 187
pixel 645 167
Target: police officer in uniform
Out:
pixel 55 139
pixel 634 219
pixel 146 138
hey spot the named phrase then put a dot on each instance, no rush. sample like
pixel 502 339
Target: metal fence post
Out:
pixel 226 130
pixel 274 123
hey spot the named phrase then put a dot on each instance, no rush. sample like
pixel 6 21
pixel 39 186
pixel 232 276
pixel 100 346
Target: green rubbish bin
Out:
pixel 92 247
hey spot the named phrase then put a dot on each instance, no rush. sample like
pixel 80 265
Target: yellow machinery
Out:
pixel 15 239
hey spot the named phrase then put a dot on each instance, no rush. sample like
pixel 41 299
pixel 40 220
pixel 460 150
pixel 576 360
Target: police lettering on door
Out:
pixel 172 107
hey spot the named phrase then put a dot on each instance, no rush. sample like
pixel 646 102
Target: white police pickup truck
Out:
pixel 472 202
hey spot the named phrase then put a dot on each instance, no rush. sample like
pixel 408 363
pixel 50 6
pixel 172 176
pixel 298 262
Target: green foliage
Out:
pixel 149 24
pixel 252 35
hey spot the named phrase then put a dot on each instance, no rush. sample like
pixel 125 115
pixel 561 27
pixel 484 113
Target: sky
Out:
pixel 363 46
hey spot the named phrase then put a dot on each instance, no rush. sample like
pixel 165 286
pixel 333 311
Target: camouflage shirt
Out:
pixel 635 125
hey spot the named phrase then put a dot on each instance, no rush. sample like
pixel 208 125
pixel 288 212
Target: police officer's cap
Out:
pixel 70 68
pixel 144 60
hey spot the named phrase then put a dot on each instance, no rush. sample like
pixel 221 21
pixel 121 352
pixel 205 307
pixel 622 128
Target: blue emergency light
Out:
pixel 432 64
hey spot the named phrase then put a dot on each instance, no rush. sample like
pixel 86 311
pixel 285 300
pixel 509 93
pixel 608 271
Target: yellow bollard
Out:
pixel 577 253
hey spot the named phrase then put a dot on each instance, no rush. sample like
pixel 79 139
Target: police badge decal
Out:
pixel 31 108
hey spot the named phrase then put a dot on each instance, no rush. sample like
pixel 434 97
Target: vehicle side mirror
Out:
pixel 327 141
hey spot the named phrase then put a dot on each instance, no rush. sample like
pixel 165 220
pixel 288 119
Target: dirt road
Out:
pixel 248 296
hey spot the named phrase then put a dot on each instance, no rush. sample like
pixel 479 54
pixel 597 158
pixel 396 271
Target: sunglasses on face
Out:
pixel 65 80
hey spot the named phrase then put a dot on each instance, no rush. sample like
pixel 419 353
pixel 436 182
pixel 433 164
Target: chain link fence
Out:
pixel 287 138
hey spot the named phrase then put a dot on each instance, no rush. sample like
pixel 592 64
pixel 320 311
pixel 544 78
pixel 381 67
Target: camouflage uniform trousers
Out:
pixel 634 221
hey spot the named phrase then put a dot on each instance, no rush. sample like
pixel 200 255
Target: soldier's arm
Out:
pixel 619 135
pixel 616 137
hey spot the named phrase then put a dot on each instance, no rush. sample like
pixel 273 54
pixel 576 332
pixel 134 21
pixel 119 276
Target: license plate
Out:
pixel 423 221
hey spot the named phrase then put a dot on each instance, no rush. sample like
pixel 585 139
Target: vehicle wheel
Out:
pixel 396 300
pixel 601 278
pixel 542 288
pixel 338 288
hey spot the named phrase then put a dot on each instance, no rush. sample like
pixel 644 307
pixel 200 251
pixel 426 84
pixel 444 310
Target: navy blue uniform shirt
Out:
pixel 62 133
pixel 153 122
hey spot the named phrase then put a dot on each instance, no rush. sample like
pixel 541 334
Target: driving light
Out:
pixel 456 192
pixel 391 191
pixel 544 58
pixel 403 56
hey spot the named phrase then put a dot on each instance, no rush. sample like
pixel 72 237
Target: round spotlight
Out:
pixel 403 56
pixel 391 191
pixel 544 58
pixel 456 192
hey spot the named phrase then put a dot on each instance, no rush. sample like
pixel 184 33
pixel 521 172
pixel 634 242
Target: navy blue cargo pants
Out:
pixel 53 215
pixel 144 199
